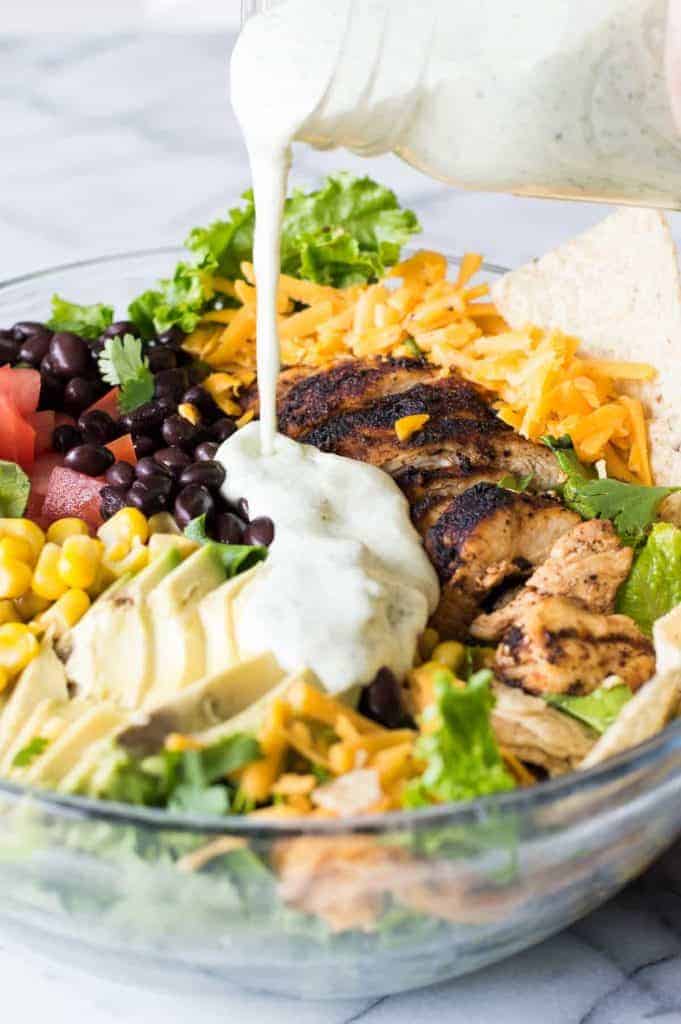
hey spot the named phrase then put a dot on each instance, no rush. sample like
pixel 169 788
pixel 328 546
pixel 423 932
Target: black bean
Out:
pixel 177 431
pixel 150 472
pixel 228 528
pixel 97 427
pixel 170 384
pixel 34 349
pixel 121 474
pixel 70 355
pixel 66 437
pixel 205 403
pixel 148 499
pixel 118 329
pixel 381 700
pixel 259 531
pixel 173 459
pixel 29 329
pixel 173 336
pixel 144 445
pixel 51 391
pixel 91 459
pixel 206 450
pixel 113 499
pixel 162 359
pixel 145 419
pixel 9 348
pixel 207 472
pixel 242 509
pixel 80 393
pixel 223 428
pixel 192 501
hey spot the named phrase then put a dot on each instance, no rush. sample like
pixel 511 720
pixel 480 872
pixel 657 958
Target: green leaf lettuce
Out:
pixel 598 709
pixel 15 488
pixel 87 321
pixel 653 587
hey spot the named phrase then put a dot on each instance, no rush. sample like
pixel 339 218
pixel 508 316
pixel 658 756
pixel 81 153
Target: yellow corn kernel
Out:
pixel 408 425
pixel 58 531
pixel 102 582
pixel 430 638
pixel 127 525
pixel 26 530
pixel 136 559
pixel 16 549
pixel 15 578
pixel 189 412
pixel 68 610
pixel 46 579
pixel 8 612
pixel 29 605
pixel 115 552
pixel 4 679
pixel 451 654
pixel 79 561
pixel 18 646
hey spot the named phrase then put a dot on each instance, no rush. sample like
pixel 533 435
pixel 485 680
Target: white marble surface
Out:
pixel 117 142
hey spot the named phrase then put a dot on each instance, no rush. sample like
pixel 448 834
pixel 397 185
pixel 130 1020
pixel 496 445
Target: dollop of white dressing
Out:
pixel 347 587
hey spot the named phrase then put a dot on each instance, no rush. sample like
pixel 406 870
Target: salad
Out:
pixel 531 434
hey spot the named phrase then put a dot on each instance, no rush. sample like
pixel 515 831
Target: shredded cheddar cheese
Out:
pixel 408 425
pixel 539 381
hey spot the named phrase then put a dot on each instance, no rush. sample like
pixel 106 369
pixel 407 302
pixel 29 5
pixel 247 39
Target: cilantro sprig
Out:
pixel 632 508
pixel 123 365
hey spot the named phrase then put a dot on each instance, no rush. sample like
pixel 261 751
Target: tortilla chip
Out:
pixel 646 713
pixel 618 288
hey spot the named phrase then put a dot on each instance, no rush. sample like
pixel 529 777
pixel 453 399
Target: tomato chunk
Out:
pixel 73 494
pixel 17 437
pixel 43 423
pixel 22 387
pixel 123 450
pixel 108 403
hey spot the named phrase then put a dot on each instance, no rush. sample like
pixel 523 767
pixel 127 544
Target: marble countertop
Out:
pixel 125 141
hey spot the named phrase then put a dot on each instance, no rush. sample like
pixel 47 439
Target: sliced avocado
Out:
pixel 216 612
pixel 64 752
pixel 78 778
pixel 250 719
pixel 57 722
pixel 110 653
pixel 42 713
pixel 177 631
pixel 204 704
pixel 43 678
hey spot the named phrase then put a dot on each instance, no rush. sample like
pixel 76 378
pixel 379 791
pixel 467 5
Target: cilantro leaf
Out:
pixel 190 799
pixel 632 508
pixel 15 488
pixel 122 364
pixel 461 753
pixel 87 321
pixel 177 301
pixel 653 586
pixel 30 752
pixel 235 558
pixel 347 232
pixel 598 709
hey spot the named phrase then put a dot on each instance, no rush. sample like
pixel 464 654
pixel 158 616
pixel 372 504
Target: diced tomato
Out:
pixel 123 449
pixel 43 423
pixel 108 403
pixel 17 437
pixel 41 471
pixel 22 386
pixel 73 494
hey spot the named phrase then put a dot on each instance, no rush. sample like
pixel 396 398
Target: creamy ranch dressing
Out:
pixel 347 587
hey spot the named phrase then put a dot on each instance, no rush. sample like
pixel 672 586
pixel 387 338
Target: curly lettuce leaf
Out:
pixel 347 232
pixel 653 587
pixel 178 301
pixel 87 321
pixel 15 488
pixel 461 753
pixel 598 709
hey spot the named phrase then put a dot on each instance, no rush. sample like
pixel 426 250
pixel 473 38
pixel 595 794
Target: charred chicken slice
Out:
pixel 588 564
pixel 557 646
pixel 486 537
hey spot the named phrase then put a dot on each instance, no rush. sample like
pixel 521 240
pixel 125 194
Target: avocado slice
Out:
pixel 216 612
pixel 64 752
pixel 43 678
pixel 42 713
pixel 178 635
pixel 204 704
pixel 250 719
pixel 110 652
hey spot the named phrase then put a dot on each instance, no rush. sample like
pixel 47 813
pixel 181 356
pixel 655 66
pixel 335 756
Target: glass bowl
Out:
pixel 358 907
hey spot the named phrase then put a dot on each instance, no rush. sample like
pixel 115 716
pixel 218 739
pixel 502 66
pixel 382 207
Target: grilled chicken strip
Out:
pixel 557 646
pixel 588 564
pixel 485 537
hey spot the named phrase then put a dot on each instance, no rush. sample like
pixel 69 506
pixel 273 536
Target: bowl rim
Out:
pixel 616 769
